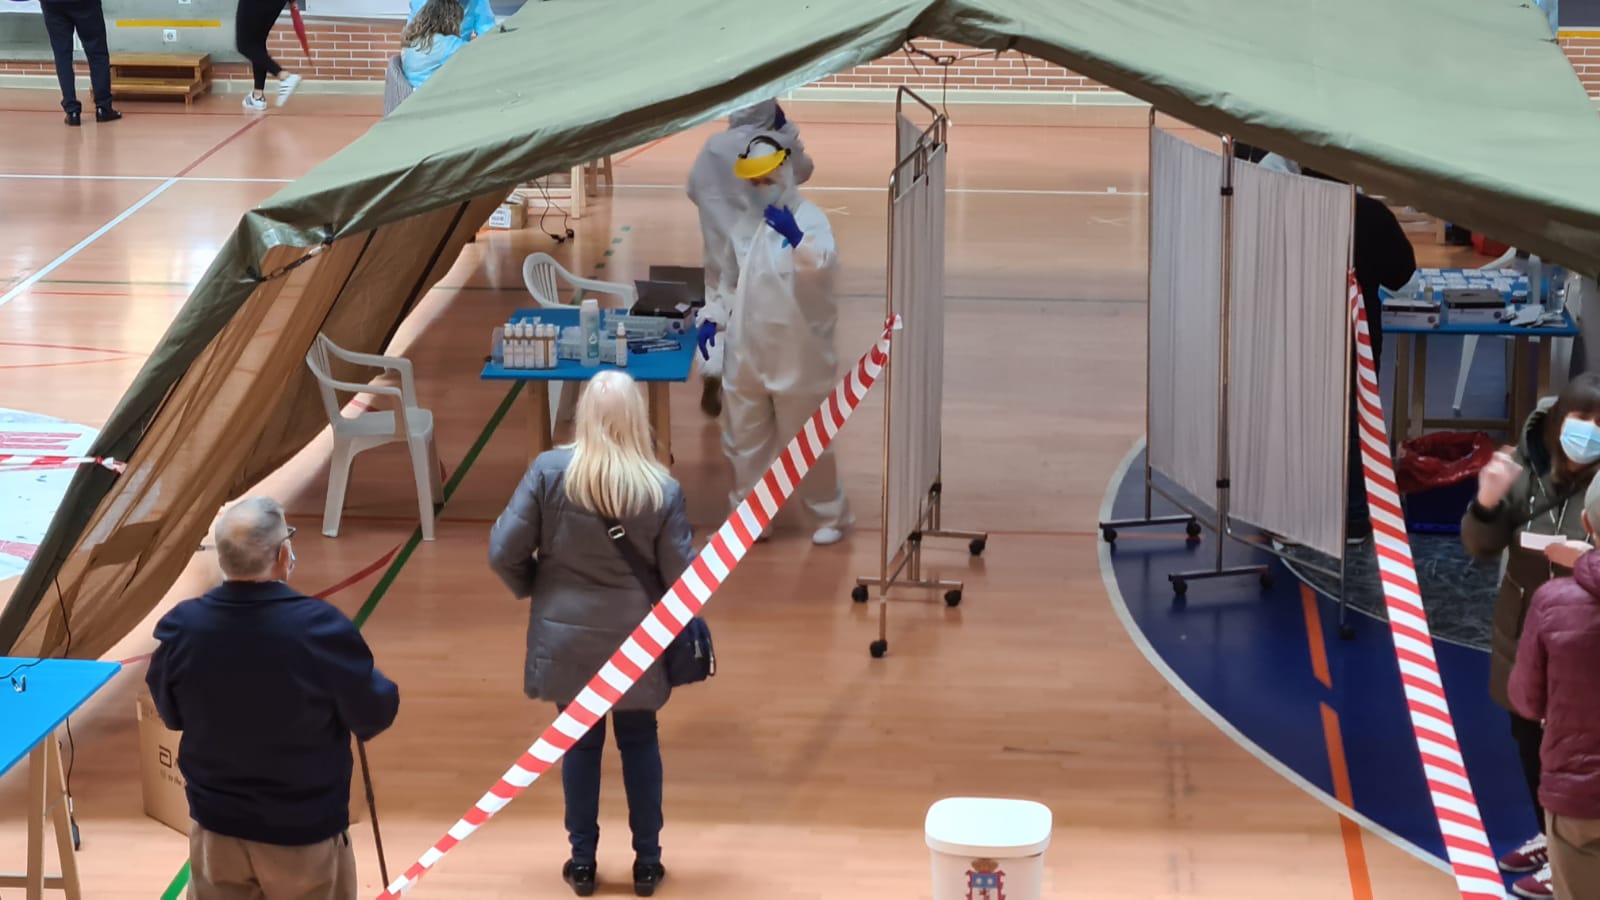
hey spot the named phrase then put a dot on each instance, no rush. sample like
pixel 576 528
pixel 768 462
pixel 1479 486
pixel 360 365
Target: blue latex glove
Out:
pixel 707 337
pixel 781 220
pixel 779 119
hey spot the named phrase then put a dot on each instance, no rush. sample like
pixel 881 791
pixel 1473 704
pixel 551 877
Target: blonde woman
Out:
pixel 430 38
pixel 553 544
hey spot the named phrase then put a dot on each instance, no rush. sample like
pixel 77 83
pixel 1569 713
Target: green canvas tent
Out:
pixel 1464 107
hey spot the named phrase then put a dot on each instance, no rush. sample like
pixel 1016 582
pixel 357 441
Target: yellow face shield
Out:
pixel 749 167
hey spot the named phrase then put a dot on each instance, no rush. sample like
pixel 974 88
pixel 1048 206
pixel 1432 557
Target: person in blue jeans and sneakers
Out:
pixel 553 544
pixel 268 686
pixel 63 18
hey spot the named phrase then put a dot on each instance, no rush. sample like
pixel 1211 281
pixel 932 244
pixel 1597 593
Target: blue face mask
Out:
pixel 1580 440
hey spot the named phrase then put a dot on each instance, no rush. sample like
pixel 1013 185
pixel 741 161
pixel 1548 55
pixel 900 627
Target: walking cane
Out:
pixel 372 807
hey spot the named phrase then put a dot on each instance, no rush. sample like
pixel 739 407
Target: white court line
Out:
pixel 878 190
pixel 22 286
pixel 21 177
pixel 1120 607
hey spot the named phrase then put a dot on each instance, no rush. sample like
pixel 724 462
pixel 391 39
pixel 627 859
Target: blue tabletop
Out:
pixel 668 365
pixel 1567 328
pixel 56 688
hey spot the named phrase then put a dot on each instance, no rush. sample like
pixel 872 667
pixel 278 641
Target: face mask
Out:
pixel 768 195
pixel 1580 440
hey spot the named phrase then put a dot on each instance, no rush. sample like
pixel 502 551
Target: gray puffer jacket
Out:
pixel 1538 504
pixel 585 599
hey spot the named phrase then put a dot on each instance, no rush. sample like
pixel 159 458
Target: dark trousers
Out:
pixel 1358 516
pixel 252 25
pixel 1529 736
pixel 641 780
pixel 61 19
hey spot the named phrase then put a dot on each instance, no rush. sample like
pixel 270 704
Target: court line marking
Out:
pixel 22 286
pixel 881 189
pixel 1355 854
pixel 21 176
pixel 1119 605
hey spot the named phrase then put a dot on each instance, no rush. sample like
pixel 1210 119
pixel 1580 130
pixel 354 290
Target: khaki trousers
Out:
pixel 225 868
pixel 1575 856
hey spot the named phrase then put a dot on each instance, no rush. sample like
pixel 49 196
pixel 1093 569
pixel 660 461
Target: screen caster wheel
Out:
pixel 977 546
pixel 1180 587
pixel 1110 535
pixel 1347 633
pixel 878 649
pixel 858 593
pixel 952 598
pixel 1192 530
pixel 1266 580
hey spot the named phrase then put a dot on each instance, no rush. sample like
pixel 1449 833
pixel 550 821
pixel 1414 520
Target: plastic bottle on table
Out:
pixel 589 331
pixel 622 346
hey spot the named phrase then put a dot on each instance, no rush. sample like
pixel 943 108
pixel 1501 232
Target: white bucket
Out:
pixel 987 849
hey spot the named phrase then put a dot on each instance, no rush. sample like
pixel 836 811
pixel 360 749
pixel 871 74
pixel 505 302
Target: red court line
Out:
pixel 75 362
pixel 142 113
pixel 39 346
pixel 323 594
pixel 1355 854
pixel 647 147
pixel 219 145
pixel 130 295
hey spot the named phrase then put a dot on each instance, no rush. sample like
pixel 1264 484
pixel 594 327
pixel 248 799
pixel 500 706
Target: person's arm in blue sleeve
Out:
pixel 162 676
pixel 479 20
pixel 342 665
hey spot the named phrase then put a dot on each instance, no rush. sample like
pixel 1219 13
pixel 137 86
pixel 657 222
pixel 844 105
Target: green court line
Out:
pixel 180 882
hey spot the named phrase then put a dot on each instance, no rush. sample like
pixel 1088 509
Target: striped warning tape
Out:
pixel 1466 843
pixel 18 461
pixel 666 620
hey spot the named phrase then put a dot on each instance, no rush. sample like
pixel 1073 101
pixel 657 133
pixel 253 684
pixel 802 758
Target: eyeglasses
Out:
pixel 288 536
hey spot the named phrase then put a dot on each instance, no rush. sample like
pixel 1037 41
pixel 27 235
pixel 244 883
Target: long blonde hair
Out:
pixel 435 17
pixel 614 470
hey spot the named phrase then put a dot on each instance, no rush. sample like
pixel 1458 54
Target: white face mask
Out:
pixel 768 195
pixel 1580 440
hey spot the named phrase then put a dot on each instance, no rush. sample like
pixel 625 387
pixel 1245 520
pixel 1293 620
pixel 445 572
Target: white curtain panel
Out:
pixel 1185 312
pixel 1288 347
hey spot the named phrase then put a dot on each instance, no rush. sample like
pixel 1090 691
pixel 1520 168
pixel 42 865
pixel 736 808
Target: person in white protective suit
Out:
pixel 721 198
pixel 781 363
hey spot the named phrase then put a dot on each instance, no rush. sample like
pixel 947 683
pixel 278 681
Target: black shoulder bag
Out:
pixel 690 657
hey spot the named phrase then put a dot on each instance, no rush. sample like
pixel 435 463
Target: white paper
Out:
pixel 1531 541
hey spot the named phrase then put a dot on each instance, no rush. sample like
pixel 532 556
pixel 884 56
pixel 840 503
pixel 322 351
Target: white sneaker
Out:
pixel 252 102
pixel 286 86
pixel 827 535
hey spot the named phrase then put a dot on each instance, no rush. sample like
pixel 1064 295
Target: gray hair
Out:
pixel 248 537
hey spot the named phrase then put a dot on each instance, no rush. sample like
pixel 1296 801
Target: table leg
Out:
pixel 1541 386
pixel 37 763
pixel 661 419
pixel 1520 405
pixel 56 798
pixel 1400 406
pixel 539 433
pixel 1419 388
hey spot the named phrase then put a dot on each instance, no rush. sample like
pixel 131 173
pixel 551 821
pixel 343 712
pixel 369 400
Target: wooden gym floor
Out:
pixel 805 767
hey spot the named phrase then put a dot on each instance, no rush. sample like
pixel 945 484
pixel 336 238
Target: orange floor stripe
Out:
pixel 1319 650
pixel 1355 853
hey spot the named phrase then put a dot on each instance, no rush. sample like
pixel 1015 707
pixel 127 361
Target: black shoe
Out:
pixel 75 119
pixel 579 877
pixel 106 114
pixel 711 396
pixel 646 877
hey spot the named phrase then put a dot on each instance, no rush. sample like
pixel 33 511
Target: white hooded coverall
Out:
pixel 722 198
pixel 781 362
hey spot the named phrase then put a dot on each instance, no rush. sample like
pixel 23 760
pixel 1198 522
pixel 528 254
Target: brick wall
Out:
pixel 358 51
pixel 1585 55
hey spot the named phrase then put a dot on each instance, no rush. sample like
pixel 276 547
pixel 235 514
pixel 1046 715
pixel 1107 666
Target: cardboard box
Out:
pixel 162 784
pixel 510 215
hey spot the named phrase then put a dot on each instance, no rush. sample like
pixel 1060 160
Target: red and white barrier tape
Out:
pixel 12 461
pixel 1465 841
pixel 682 602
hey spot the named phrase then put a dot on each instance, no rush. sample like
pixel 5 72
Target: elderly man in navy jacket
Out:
pixel 267 686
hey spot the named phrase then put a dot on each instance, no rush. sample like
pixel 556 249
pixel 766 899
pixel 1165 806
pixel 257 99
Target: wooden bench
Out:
pixel 186 75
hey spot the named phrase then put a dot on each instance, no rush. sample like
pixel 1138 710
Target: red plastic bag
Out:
pixel 1441 459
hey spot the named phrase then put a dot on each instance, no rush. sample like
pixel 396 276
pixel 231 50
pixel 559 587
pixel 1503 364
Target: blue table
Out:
pixel 54 689
pixel 654 370
pixel 1411 365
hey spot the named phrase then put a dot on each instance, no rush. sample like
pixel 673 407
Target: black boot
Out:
pixel 646 877
pixel 106 114
pixel 579 877
pixel 75 119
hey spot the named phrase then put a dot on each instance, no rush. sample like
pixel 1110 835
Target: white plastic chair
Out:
pixel 543 276
pixel 1469 344
pixel 407 422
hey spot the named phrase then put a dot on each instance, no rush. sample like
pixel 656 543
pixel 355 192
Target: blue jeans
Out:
pixel 641 779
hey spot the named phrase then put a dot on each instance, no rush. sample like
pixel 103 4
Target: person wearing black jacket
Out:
pixel 85 17
pixel 268 686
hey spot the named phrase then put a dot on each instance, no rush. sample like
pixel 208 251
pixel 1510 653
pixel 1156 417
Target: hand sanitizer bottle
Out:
pixel 589 330
pixel 622 346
